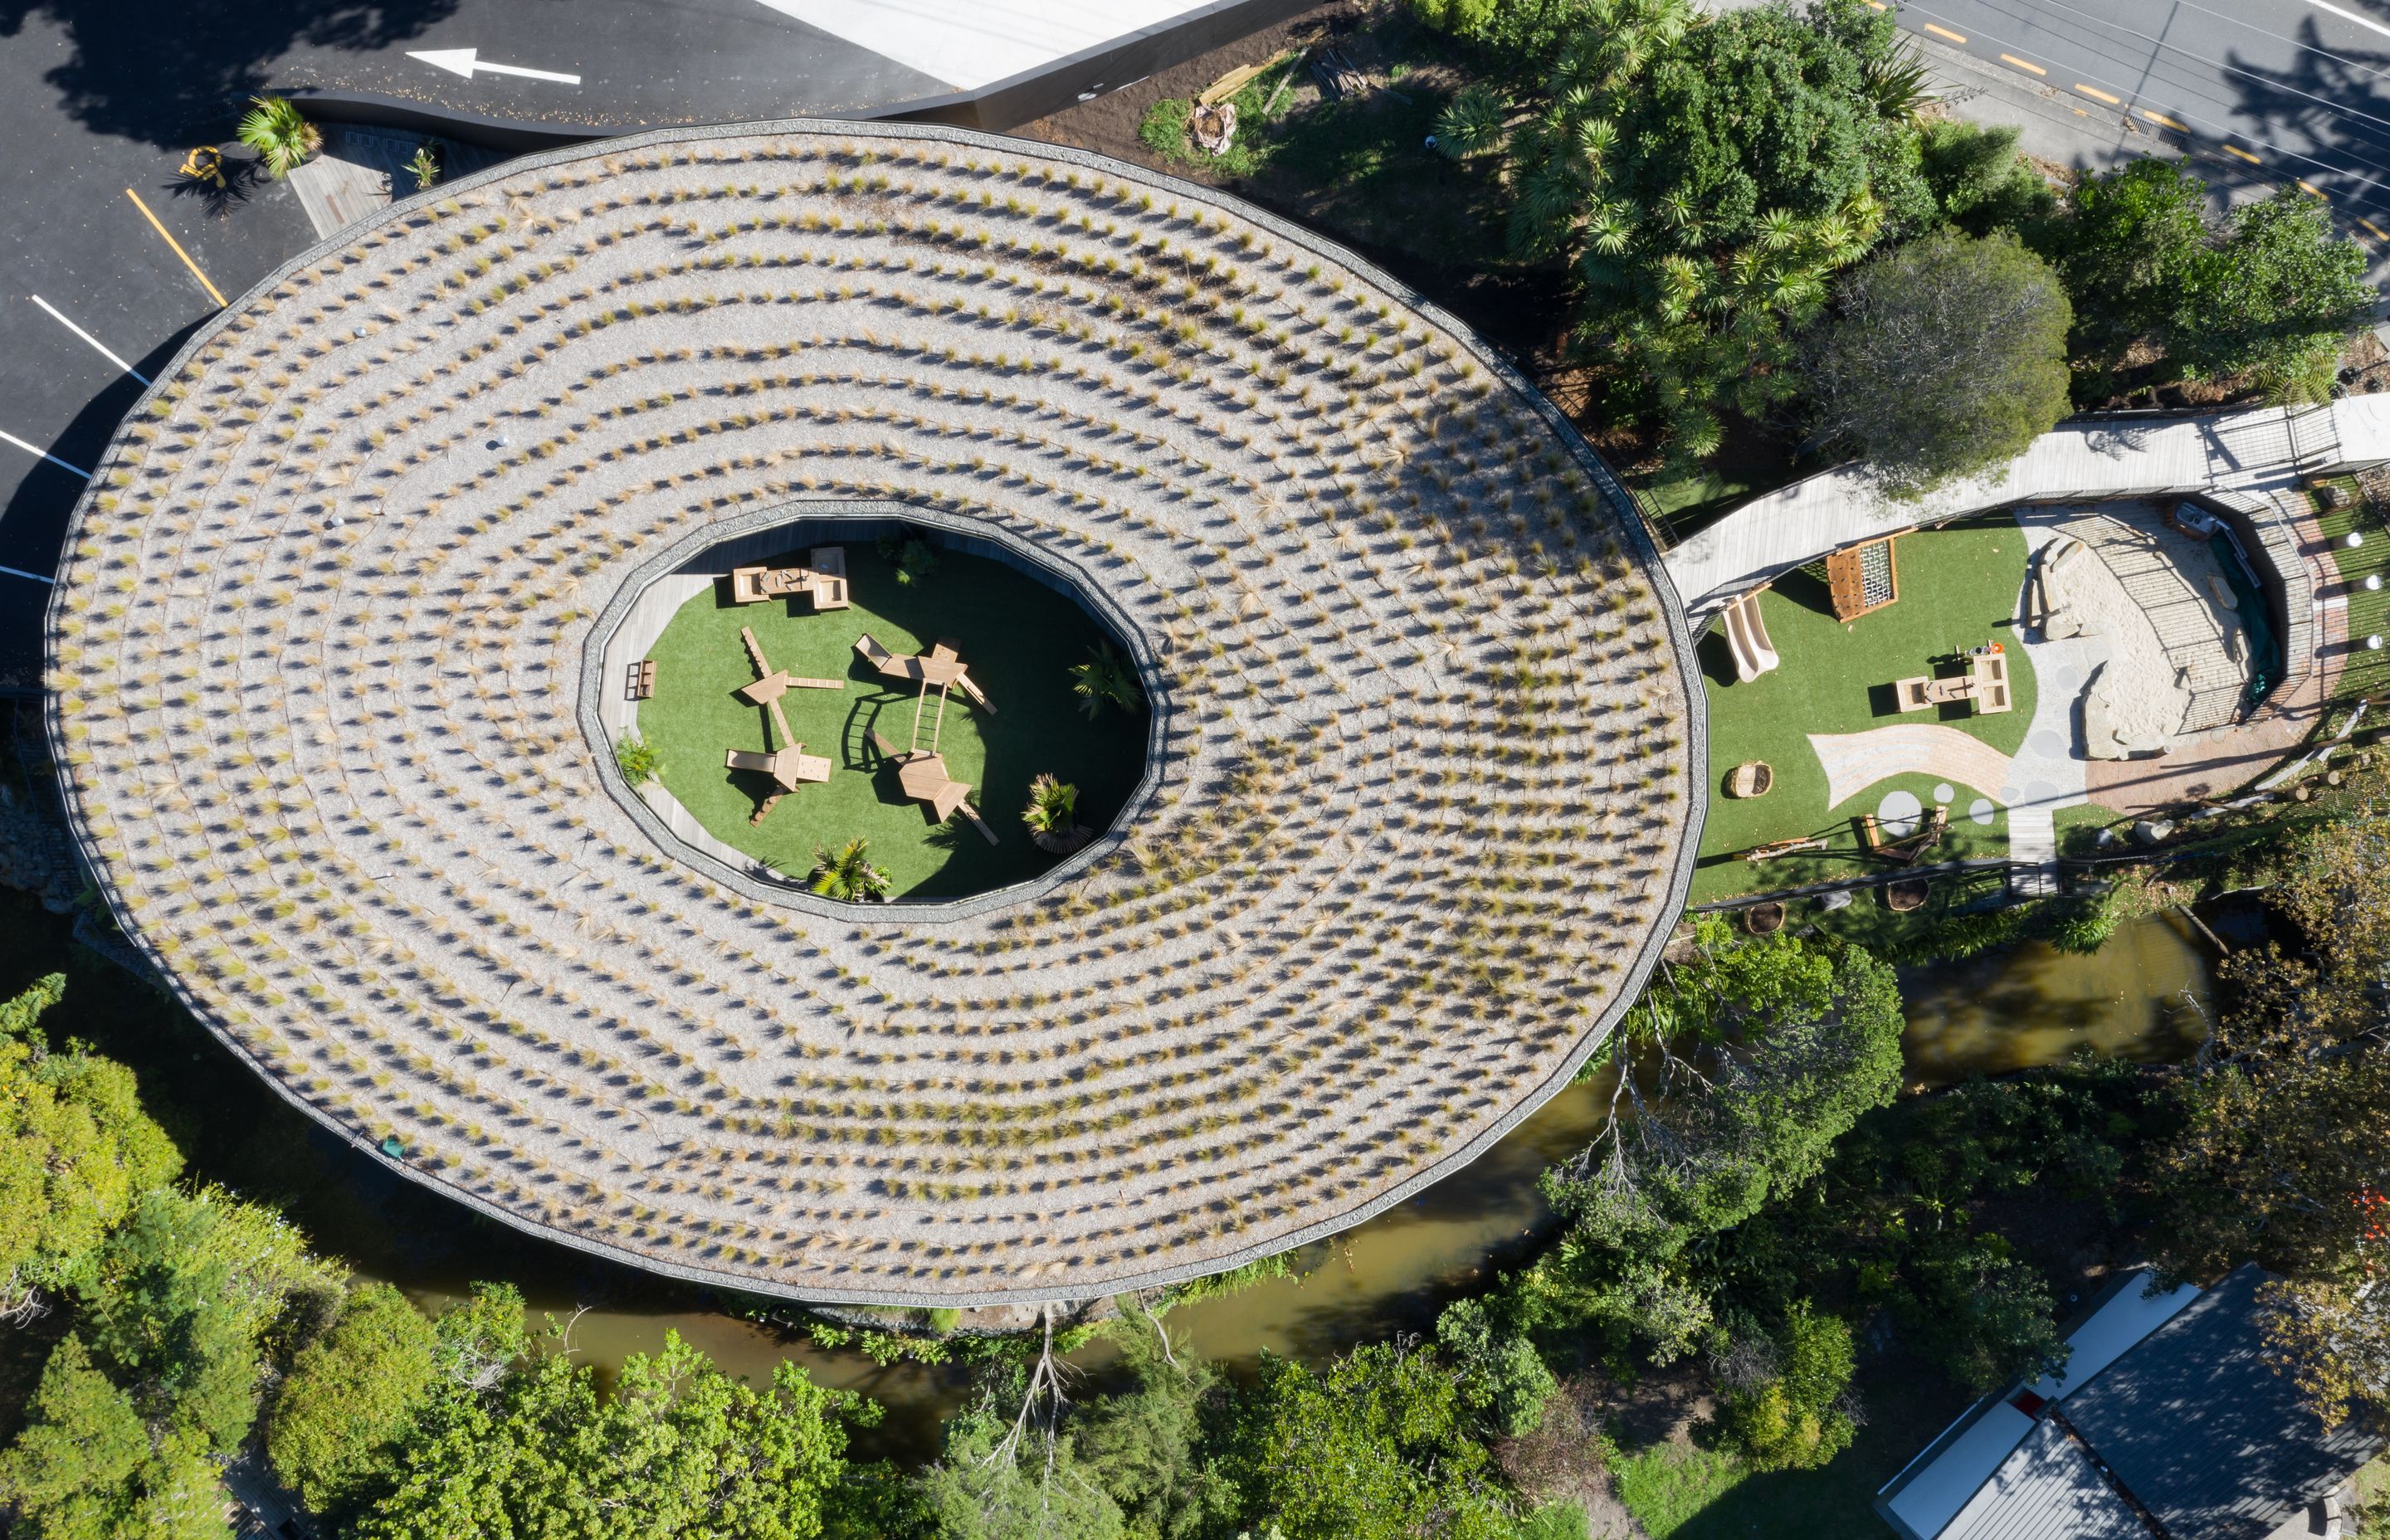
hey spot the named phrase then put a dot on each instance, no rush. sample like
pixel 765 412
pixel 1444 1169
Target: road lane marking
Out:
pixel 2348 16
pixel 20 572
pixel 463 62
pixel 2103 95
pixel 46 455
pixel 1943 32
pixel 177 245
pixel 2375 228
pixel 98 346
pixel 2023 64
pixel 2236 149
pixel 2307 187
pixel 2164 121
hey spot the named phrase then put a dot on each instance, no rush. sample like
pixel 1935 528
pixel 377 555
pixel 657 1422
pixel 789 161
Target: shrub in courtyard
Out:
pixel 847 873
pixel 1784 1395
pixel 636 758
pixel 1106 679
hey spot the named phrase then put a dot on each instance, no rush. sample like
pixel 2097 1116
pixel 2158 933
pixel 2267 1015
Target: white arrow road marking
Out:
pixel 45 453
pixel 97 344
pixel 462 61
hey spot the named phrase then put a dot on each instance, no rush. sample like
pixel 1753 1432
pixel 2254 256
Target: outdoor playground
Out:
pixel 1007 714
pixel 1958 589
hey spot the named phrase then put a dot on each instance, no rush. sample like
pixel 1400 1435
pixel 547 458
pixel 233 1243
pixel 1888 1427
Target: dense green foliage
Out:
pixel 75 1150
pixel 1704 178
pixel 677 1448
pixel 1943 357
pixel 2162 295
pixel 351 1395
pixel 1795 1039
pixel 87 1466
pixel 1785 1410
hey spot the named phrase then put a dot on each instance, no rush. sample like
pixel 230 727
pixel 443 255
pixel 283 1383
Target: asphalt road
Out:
pixel 2271 92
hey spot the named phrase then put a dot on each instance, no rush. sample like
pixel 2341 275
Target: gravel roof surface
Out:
pixel 1426 799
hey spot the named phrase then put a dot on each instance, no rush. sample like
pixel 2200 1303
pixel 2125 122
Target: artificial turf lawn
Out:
pixel 1959 588
pixel 1020 639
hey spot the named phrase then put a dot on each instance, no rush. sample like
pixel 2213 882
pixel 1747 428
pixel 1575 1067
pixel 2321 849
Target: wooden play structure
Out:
pixel 1985 686
pixel 941 666
pixel 789 765
pixel 1908 849
pixel 1746 637
pixel 640 684
pixel 1770 851
pixel 1863 578
pixel 821 579
pixel 922 773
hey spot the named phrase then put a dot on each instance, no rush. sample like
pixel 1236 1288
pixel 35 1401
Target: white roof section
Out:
pixel 970 43
pixel 1955 1474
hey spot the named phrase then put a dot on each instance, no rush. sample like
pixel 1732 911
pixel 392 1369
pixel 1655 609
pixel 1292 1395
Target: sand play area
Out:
pixel 2180 654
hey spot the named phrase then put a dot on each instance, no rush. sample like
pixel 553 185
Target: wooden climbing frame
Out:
pixel 1863 578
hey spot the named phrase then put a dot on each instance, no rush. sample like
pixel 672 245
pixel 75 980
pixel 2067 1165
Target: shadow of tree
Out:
pixel 2337 99
pixel 170 75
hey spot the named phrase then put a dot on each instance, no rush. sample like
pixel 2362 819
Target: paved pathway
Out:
pixel 2243 455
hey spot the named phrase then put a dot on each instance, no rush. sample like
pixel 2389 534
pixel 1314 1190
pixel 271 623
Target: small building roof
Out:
pixel 2166 1404
pixel 2207 1436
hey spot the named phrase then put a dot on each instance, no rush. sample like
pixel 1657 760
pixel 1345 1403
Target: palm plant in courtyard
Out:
pixel 636 758
pixel 848 874
pixel 1052 816
pixel 273 128
pixel 1105 679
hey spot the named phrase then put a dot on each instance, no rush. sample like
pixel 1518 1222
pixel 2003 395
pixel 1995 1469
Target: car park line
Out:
pixel 98 346
pixel 177 246
pixel 31 449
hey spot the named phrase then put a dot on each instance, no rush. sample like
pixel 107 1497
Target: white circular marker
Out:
pixel 2354 540
pixel 1899 813
pixel 1981 811
pixel 1943 792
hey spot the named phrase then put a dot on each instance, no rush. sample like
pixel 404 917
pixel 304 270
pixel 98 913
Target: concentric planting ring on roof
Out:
pixel 1422 798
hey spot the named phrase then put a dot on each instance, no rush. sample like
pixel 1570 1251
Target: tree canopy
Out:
pixel 1945 357
pixel 2163 294
pixel 75 1150
pixel 351 1397
pixel 87 1466
pixel 677 1449
pixel 1703 177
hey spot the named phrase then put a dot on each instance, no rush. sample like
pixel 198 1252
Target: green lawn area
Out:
pixel 1019 639
pixel 1958 589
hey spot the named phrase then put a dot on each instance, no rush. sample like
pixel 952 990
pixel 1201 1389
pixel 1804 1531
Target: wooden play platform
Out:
pixel 1985 686
pixel 821 579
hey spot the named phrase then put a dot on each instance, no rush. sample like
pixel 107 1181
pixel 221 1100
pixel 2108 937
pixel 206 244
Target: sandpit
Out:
pixel 1423 788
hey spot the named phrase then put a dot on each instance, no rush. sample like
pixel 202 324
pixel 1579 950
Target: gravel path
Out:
pixel 1424 800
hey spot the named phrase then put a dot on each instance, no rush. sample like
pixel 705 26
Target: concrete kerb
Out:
pixel 1633 973
pixel 1082 587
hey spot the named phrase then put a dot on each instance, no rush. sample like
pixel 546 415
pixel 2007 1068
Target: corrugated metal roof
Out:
pixel 2047 1489
pixel 2207 1436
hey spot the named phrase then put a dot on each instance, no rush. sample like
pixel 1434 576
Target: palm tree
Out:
pixel 1105 677
pixel 848 874
pixel 1052 816
pixel 280 135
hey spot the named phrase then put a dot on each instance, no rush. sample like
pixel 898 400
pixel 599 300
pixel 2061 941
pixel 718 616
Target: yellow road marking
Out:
pixel 2375 228
pixel 2311 187
pixel 1943 32
pixel 2236 149
pixel 176 245
pixel 2023 64
pixel 2162 118
pixel 1877 5
pixel 2095 91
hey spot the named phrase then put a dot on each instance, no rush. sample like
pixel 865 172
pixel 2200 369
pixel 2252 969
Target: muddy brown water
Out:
pixel 2141 997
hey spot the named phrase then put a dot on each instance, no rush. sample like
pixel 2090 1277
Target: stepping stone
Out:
pixel 1981 811
pixel 1943 792
pixel 1899 814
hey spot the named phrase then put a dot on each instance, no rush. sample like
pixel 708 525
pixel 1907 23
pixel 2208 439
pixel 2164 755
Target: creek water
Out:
pixel 2143 996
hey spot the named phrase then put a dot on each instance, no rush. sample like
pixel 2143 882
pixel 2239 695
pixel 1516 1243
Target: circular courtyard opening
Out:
pixel 958 703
